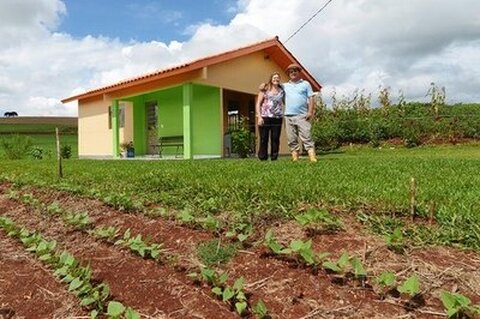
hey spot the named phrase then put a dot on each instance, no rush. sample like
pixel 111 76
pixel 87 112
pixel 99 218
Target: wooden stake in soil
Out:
pixel 59 156
pixel 413 200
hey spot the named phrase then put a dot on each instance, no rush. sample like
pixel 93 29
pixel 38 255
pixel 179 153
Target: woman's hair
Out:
pixel 270 83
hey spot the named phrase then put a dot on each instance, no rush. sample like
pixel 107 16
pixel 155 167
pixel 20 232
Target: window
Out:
pixel 121 116
pixel 109 117
pixel 233 115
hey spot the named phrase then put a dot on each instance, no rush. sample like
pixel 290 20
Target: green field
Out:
pixel 372 184
pixel 36 129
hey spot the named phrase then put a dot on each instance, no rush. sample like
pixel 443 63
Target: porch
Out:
pixel 203 115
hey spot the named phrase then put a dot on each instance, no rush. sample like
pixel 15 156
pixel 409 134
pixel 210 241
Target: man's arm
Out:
pixel 311 108
pixel 310 101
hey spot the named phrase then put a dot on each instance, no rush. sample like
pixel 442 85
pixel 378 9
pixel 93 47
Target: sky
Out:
pixel 53 49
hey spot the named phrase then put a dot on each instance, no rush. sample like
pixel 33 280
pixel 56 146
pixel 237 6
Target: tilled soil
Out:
pixel 163 289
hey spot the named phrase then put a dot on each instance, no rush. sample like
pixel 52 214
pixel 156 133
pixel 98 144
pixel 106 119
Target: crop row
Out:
pixel 315 221
pixel 350 267
pixel 234 295
pixel 95 297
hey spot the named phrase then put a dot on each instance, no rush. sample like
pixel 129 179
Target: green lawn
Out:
pixel 354 179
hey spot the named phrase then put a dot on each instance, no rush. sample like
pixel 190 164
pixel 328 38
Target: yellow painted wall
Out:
pixel 94 136
pixel 242 74
pixel 126 133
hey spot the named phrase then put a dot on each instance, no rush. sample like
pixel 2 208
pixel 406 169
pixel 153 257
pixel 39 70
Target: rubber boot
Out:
pixel 294 156
pixel 312 156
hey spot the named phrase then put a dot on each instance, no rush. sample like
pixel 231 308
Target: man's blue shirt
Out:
pixel 296 97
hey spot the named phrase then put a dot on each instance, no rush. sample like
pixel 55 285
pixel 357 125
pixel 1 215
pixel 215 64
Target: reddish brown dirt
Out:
pixel 27 288
pixel 289 290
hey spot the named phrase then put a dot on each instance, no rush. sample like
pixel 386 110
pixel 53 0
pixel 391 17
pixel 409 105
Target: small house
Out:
pixel 192 107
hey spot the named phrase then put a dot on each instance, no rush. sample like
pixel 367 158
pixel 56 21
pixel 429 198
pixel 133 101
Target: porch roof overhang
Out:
pixel 272 48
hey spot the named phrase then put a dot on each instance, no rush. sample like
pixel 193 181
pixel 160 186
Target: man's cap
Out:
pixel 293 66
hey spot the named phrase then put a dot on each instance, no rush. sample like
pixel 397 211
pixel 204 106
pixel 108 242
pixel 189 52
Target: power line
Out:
pixel 311 18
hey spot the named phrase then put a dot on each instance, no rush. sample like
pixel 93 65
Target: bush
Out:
pixel 243 141
pixel 17 146
pixel 66 151
pixel 326 135
pixel 36 152
pixel 413 123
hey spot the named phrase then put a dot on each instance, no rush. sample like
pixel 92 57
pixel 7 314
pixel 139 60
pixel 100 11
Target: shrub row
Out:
pixel 22 146
pixel 412 123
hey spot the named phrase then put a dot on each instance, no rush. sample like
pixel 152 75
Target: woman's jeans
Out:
pixel 272 127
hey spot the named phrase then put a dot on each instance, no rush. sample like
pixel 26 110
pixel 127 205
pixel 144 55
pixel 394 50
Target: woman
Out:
pixel 269 109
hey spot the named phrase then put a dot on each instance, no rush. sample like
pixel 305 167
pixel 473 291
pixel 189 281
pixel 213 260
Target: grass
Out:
pixel 354 179
pixel 213 252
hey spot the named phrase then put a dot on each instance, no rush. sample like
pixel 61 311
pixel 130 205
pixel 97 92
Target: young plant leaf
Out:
pixel 386 279
pixel 358 269
pixel 241 307
pixel 131 314
pixel 343 261
pixel 410 287
pixel 217 291
pixel 238 285
pixel 227 294
pixel 75 284
pixel 330 265
pixel 454 303
pixel 260 309
pixel 115 309
pixel 222 278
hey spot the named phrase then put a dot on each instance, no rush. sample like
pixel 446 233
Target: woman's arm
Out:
pixel 258 113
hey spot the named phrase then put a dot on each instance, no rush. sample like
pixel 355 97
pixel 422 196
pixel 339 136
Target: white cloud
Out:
pixel 351 44
pixel 27 20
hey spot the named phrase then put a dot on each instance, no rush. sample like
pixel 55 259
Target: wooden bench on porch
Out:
pixel 170 141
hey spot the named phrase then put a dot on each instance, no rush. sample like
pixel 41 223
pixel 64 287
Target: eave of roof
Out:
pixel 273 46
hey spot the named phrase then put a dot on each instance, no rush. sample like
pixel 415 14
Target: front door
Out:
pixel 151 111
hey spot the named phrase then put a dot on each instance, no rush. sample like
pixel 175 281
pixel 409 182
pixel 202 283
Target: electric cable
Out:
pixel 311 18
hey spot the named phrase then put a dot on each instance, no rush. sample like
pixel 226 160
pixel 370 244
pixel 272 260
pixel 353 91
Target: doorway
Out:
pixel 151 115
pixel 237 107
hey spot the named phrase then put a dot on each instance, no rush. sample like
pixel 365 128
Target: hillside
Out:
pixel 38 125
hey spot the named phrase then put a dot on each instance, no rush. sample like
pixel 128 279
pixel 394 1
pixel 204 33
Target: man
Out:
pixel 299 111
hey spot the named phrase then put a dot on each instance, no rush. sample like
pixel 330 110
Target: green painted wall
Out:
pixel 205 121
pixel 204 118
pixel 139 123
pixel 170 115
pixel 187 93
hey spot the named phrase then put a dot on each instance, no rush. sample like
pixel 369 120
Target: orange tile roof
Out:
pixel 272 47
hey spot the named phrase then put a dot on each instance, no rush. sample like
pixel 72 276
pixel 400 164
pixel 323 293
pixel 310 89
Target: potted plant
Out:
pixel 127 149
